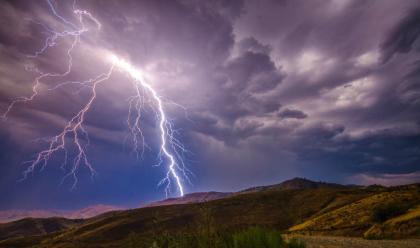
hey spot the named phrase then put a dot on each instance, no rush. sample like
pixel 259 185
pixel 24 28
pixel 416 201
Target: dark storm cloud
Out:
pixel 404 36
pixel 249 72
pixel 193 31
pixel 252 72
pixel 292 113
pixel 328 54
pixel 409 89
pixel 404 39
pixel 250 44
pixel 166 36
pixel 326 89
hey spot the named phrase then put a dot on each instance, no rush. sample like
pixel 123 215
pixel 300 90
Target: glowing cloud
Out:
pixel 171 149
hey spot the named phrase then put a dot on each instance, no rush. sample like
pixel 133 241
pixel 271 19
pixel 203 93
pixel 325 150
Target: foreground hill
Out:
pixel 351 242
pixel 330 210
pixel 397 210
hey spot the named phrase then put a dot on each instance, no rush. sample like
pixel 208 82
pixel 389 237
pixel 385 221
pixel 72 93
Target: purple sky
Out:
pixel 323 89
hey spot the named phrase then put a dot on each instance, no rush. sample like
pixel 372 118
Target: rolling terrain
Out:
pixel 88 212
pixel 191 198
pixel 294 207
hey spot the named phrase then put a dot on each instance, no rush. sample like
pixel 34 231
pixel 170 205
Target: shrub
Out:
pixel 133 241
pixel 206 234
pixel 254 237
pixel 257 237
pixel 294 243
pixel 385 212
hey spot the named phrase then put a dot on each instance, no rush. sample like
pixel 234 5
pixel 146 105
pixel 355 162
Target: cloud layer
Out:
pixel 323 89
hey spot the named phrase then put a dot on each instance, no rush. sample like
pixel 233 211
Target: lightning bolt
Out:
pixel 172 151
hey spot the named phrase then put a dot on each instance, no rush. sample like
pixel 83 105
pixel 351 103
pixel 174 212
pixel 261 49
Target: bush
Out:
pixel 133 241
pixel 254 237
pixel 385 212
pixel 206 234
pixel 294 243
pixel 257 237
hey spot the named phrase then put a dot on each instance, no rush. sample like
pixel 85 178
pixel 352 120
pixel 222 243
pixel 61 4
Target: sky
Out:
pixel 326 89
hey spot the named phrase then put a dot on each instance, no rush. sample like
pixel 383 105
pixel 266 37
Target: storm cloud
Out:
pixel 324 89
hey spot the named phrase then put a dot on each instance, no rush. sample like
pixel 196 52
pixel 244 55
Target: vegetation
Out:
pixel 206 234
pixel 385 212
pixel 244 217
pixel 253 237
pixel 405 225
pixel 358 217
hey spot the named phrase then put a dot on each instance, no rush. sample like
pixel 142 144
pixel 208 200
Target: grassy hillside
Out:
pixel 30 226
pixel 358 218
pixel 325 210
pixel 401 226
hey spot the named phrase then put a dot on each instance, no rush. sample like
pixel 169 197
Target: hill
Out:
pixel 191 198
pixel 84 213
pixel 395 211
pixel 320 208
pixel 32 226
pixel 298 183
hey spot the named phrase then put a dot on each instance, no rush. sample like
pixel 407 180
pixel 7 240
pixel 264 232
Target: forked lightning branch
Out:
pixel 74 133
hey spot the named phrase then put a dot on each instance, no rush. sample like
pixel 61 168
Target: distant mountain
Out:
pixel 88 212
pixel 32 226
pixel 295 183
pixel 298 183
pixel 191 198
pixel 91 211
pixel 12 215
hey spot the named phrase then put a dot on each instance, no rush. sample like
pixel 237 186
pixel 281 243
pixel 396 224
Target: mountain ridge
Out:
pixel 83 213
pixel 296 207
pixel 195 197
pixel 299 183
